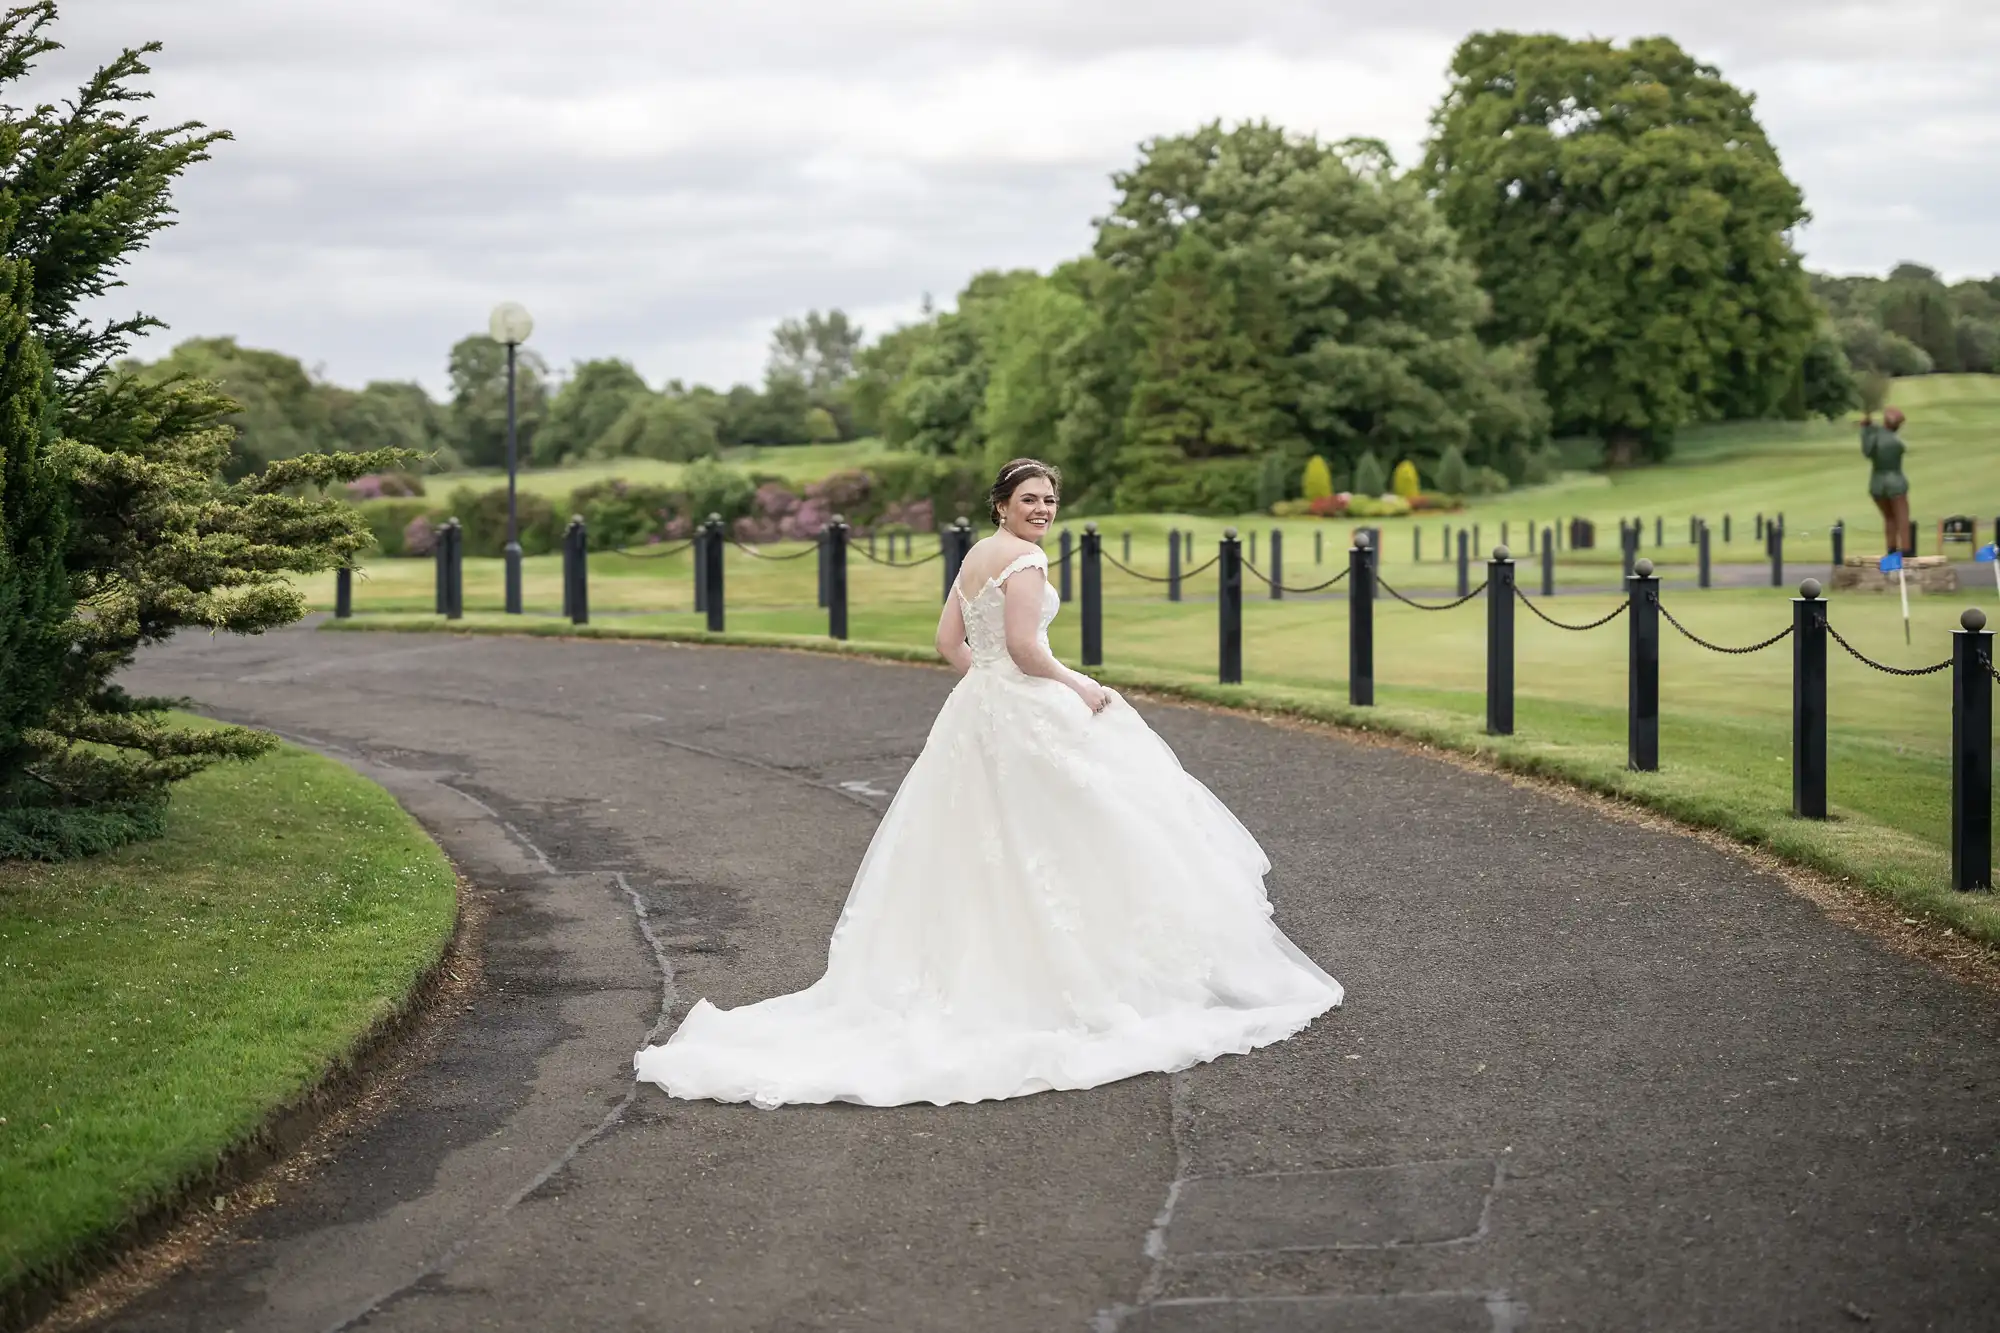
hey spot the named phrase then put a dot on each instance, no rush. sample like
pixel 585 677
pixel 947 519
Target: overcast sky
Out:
pixel 663 180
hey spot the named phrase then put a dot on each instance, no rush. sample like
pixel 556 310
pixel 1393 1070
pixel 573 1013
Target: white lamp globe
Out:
pixel 510 323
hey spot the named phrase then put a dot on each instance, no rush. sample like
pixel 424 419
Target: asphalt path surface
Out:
pixel 1589 1074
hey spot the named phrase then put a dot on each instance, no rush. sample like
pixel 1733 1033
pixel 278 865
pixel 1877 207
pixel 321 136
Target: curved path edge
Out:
pixel 146 1249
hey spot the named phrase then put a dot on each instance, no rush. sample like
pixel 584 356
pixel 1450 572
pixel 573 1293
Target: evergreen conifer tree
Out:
pixel 34 518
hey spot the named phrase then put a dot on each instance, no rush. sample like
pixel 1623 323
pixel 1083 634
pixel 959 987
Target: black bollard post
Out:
pixel 343 593
pixel 1500 643
pixel 1910 538
pixel 1809 702
pixel 1972 752
pixel 1702 555
pixel 455 573
pixel 576 571
pixel 1361 622
pixel 1229 603
pixel 1319 545
pixel 1548 562
pixel 955 551
pixel 1093 596
pixel 1127 557
pixel 1503 532
pixel 1475 546
pixel 1642 695
pixel 1416 545
pixel 1277 564
pixel 835 539
pixel 819 559
pixel 871 541
pixel 1253 547
pixel 1173 566
pixel 1628 544
pixel 712 573
pixel 910 544
pixel 1726 538
pixel 1839 542
pixel 441 559
pixel 1187 545
pixel 1760 527
pixel 1063 545
pixel 1464 565
pixel 1659 531
pixel 701 569
pixel 1777 536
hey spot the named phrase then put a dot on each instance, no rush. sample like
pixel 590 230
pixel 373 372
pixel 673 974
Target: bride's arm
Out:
pixel 951 643
pixel 1023 592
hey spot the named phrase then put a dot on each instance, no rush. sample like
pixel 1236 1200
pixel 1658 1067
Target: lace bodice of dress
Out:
pixel 986 613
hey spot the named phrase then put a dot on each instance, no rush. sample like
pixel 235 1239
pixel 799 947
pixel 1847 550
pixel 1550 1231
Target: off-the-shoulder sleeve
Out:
pixel 1026 560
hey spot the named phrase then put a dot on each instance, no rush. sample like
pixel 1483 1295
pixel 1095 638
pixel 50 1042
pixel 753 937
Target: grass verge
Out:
pixel 1725 773
pixel 166 1002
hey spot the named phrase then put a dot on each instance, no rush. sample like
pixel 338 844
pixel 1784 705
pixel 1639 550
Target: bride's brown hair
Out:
pixel 1013 476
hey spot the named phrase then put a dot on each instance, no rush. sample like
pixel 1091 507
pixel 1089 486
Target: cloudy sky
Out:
pixel 664 179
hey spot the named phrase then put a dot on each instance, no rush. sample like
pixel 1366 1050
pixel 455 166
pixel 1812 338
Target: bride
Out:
pixel 1050 901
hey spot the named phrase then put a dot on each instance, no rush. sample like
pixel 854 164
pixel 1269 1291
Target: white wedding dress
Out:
pixel 1050 902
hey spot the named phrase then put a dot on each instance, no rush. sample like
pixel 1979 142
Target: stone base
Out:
pixel 1925 573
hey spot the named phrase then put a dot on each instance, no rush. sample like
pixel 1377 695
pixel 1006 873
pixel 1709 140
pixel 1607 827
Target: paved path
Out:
pixel 1589 1076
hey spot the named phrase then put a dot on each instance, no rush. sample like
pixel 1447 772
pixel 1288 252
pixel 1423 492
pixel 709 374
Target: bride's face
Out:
pixel 1030 509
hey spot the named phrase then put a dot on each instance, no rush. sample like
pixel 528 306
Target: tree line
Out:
pixel 602 408
pixel 1595 243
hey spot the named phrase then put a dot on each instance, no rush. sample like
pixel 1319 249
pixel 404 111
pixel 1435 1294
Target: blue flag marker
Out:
pixel 1989 552
pixel 1892 562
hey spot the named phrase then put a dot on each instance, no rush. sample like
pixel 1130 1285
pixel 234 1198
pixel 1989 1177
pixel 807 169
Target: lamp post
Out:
pixel 510 324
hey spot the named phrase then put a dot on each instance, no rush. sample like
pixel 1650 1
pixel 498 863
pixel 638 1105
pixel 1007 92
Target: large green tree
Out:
pixel 1625 210
pixel 818 350
pixel 478 370
pixel 1343 282
pixel 389 414
pixel 594 396
pixel 1049 386
pixel 35 597
pixel 156 539
pixel 280 412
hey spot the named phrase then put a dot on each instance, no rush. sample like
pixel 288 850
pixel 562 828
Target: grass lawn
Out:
pixel 160 1001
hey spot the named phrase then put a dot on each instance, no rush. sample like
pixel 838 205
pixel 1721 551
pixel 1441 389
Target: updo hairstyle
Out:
pixel 1013 476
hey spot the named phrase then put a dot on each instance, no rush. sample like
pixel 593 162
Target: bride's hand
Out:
pixel 1095 696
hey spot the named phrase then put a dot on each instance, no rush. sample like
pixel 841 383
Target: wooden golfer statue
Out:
pixel 1887 485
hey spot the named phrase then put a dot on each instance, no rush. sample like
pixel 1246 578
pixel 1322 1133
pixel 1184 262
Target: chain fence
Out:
pixel 1884 667
pixel 893 563
pixel 1116 563
pixel 1616 612
pixel 1690 635
pixel 1286 587
pixel 756 554
pixel 649 552
pixel 1430 606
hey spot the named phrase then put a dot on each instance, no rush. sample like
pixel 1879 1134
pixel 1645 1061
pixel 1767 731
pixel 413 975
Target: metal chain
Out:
pixel 1779 637
pixel 1866 660
pixel 650 553
pixel 1428 606
pixel 1115 562
pixel 862 551
pixel 759 555
pixel 1606 620
pixel 1285 587
pixel 1987 662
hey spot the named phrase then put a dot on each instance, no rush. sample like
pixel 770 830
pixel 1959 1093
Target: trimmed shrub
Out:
pixel 1404 480
pixel 1488 481
pixel 1369 478
pixel 390 519
pixel 618 513
pixel 483 516
pixel 1453 477
pixel 1317 483
pixel 67 832
pixel 1208 486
